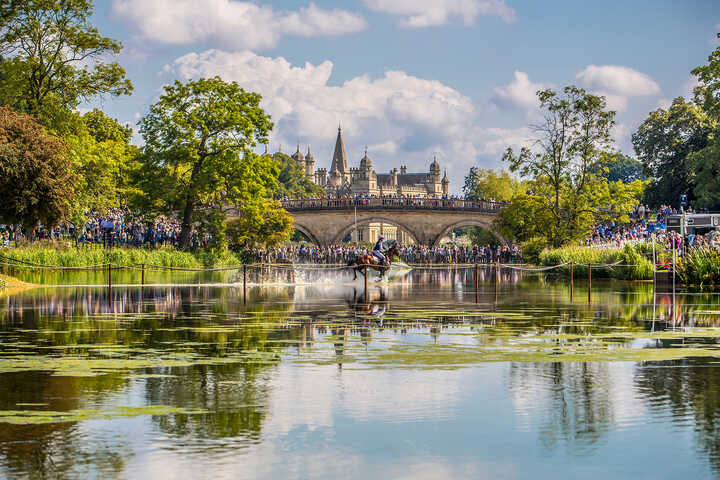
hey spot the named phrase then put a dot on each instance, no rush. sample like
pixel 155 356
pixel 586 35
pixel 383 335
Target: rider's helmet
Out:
pixel 381 237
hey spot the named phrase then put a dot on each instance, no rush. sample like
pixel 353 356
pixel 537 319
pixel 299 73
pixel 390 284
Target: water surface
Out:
pixel 424 378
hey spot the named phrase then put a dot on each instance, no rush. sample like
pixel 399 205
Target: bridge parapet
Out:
pixel 480 206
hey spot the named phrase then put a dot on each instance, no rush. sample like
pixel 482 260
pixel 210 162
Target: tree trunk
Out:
pixel 184 239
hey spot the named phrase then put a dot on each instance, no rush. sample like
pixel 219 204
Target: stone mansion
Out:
pixel 365 181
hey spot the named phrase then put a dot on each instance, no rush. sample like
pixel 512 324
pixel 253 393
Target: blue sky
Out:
pixel 413 78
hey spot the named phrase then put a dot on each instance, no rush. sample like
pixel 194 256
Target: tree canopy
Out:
pixel 52 58
pixel 565 197
pixel 293 181
pixel 36 176
pixel 198 157
pixel 490 184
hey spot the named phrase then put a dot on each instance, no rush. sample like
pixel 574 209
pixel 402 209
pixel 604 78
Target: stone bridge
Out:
pixel 426 220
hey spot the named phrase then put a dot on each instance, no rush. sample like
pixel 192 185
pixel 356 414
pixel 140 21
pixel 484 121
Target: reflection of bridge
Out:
pixel 426 220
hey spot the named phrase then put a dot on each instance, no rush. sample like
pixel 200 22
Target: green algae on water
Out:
pixel 37 417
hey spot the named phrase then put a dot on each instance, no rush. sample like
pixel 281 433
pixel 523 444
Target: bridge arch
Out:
pixel 307 232
pixel 344 231
pixel 469 222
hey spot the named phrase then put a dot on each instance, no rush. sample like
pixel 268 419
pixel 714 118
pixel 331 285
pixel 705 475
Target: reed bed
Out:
pixel 700 266
pixel 621 263
pixel 63 256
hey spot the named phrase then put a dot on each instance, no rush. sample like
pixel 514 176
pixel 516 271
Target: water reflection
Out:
pixel 292 370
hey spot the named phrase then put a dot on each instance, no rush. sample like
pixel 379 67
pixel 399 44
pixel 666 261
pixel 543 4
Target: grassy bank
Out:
pixel 633 264
pixel 7 281
pixel 700 266
pixel 62 256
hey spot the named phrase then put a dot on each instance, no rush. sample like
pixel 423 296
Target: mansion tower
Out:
pixel 365 181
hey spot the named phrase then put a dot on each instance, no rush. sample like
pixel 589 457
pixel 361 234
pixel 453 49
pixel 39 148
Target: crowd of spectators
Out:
pixel 411 254
pixel 118 227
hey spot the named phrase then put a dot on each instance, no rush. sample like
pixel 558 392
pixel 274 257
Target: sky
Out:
pixel 412 79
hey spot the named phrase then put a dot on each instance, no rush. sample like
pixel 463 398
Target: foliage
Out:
pixel 707 92
pixel 65 256
pixel 52 58
pixel 532 248
pixel 198 154
pixel 700 266
pixel 566 198
pixel 293 181
pixel 619 167
pixel 104 161
pixel 482 237
pixel 490 184
pixel 263 222
pixel 36 177
pixel 632 265
pixel 664 142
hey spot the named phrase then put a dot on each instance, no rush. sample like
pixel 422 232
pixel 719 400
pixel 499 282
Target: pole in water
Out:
pixel 572 279
pixel 589 282
pixel 109 275
pixel 366 284
pixel 142 278
pixel 244 283
pixel 477 283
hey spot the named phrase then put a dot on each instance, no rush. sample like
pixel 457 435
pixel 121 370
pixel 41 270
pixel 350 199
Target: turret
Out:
pixel 309 165
pixel 435 169
pixel 299 157
pixel 445 185
pixel 394 173
pixel 366 163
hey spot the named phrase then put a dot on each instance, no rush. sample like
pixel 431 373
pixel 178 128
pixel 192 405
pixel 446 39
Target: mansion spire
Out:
pixel 339 160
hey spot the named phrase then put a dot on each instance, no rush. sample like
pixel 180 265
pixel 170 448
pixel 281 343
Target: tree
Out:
pixel 664 142
pixel 35 174
pixel 198 153
pixel 565 197
pixel 490 184
pixel 103 160
pixel 52 58
pixel 705 163
pixel 617 166
pixel 293 181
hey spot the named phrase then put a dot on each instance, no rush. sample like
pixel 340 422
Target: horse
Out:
pixel 360 261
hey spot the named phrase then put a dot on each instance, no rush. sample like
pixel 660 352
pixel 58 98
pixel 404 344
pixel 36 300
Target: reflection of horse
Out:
pixel 375 306
pixel 360 261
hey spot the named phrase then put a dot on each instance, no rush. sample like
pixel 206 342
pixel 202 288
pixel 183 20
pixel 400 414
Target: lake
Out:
pixel 194 377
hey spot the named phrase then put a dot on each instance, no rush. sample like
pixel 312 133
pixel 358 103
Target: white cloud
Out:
pixel 617 79
pixel 618 84
pixel 427 13
pixel 230 23
pixel 521 92
pixel 399 114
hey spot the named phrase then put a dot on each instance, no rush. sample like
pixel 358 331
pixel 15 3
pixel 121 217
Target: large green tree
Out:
pixel 36 176
pixel 566 197
pixel 706 162
pixel 293 181
pixel 490 184
pixel 617 166
pixel 52 58
pixel 104 160
pixel 664 143
pixel 198 156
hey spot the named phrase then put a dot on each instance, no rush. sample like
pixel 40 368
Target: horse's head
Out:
pixel 392 248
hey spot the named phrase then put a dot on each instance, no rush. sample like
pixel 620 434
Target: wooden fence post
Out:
pixel 366 284
pixel 477 283
pixel 142 281
pixel 572 279
pixel 244 283
pixel 589 282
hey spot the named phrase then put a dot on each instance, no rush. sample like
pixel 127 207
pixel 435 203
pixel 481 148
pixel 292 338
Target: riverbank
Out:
pixel 628 263
pixel 6 281
pixel 62 256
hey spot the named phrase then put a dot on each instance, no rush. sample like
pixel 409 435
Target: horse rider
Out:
pixel 378 250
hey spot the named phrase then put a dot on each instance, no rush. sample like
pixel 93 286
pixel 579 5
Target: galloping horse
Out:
pixel 360 261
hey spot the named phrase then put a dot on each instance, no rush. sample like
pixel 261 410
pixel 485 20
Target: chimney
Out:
pixel 403 170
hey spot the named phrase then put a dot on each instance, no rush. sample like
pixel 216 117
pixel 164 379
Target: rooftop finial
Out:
pixel 366 150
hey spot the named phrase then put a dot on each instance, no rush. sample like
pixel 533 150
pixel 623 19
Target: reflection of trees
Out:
pixel 56 450
pixel 693 391
pixel 573 401
pixel 235 397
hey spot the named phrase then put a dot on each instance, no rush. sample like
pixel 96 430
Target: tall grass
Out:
pixel 700 266
pixel 632 264
pixel 63 256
